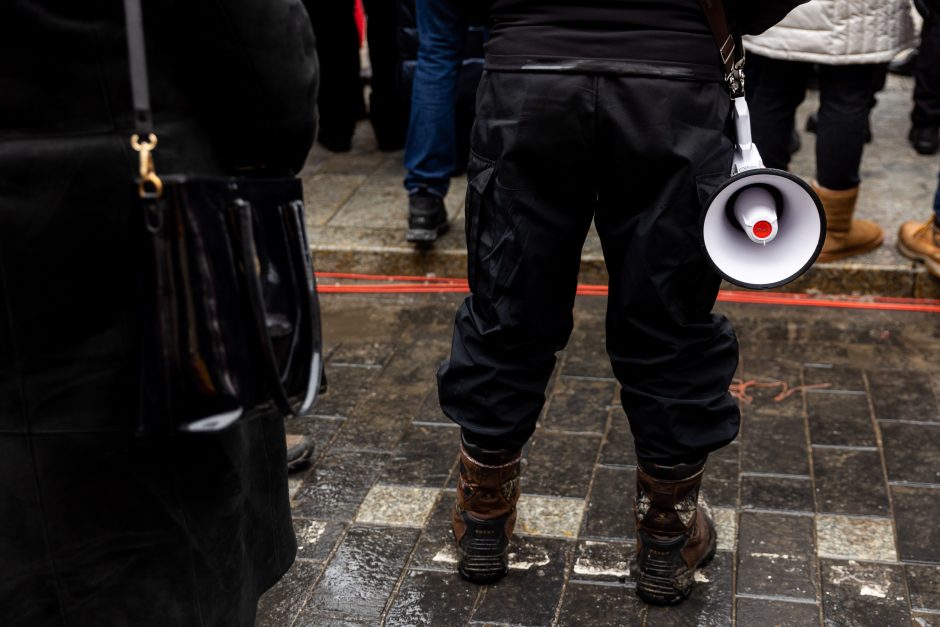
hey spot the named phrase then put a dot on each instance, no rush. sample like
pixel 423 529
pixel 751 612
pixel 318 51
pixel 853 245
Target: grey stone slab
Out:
pixel 350 353
pixel 549 516
pixel 850 482
pixel 912 452
pixel 319 429
pixel 618 447
pixel 777 493
pixel 609 562
pixel 776 556
pixel 709 604
pixel 280 605
pixel 586 354
pixel 343 386
pixel 850 537
pixel 923 583
pixel 560 464
pixel 432 599
pixel 529 596
pixel 435 548
pixel 915 513
pixel 579 405
pixel 601 606
pixel 771 613
pixel 903 395
pixel 325 194
pixel 864 594
pixel 773 444
pixel 431 412
pixel 840 419
pixel 720 484
pixel 839 378
pixel 425 457
pixel 338 486
pixel 316 538
pixel 397 505
pixel 361 576
pixel 925 620
pixel 610 505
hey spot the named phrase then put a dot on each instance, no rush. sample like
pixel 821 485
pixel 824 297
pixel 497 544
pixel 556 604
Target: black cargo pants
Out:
pixel 549 152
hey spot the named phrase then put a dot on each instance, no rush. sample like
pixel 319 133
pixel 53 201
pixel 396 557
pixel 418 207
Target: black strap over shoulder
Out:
pixel 732 55
pixel 143 119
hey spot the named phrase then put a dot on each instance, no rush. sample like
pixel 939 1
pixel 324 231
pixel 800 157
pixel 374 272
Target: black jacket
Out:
pixel 650 37
pixel 98 527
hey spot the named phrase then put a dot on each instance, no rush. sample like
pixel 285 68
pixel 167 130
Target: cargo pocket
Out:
pixel 492 240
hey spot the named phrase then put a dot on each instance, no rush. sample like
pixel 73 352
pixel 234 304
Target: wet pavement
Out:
pixel 827 504
pixel 358 210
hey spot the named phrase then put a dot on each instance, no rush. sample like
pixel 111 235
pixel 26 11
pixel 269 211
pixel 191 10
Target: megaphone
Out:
pixel 763 227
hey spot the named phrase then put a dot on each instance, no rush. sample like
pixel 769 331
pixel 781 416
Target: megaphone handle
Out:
pixel 746 156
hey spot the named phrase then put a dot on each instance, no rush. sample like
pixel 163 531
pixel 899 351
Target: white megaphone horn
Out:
pixel 763 227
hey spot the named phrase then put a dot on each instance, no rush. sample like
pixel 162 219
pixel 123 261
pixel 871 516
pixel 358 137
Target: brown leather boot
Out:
pixel 485 513
pixel 845 237
pixel 921 241
pixel 673 536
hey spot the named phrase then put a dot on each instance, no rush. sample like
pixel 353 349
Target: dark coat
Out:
pixel 99 527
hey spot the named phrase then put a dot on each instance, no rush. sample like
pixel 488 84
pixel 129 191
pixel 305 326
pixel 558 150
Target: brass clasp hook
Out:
pixel 150 185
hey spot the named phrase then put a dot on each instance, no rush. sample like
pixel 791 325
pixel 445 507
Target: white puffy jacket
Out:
pixel 839 32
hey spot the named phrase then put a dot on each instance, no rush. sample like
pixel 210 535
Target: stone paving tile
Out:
pixel 281 604
pixel 839 419
pixel 726 524
pixel 765 612
pixel 397 506
pixel 549 516
pixel 903 395
pixel 435 548
pixel 912 452
pixel 617 448
pixel 431 599
pixel 425 456
pixel 340 483
pixel 775 555
pixel 579 405
pixel 864 594
pixel 773 444
pixel 325 194
pixel 430 412
pixel 776 492
pixel 560 464
pixel 840 378
pixel 721 481
pixel 358 581
pixel 606 562
pixel 601 606
pixel 610 505
pixel 530 594
pixel 316 538
pixel 710 603
pixel 343 388
pixel 586 355
pixel 916 511
pixel 369 354
pixel 850 482
pixel 845 537
pixel 925 620
pixel 924 586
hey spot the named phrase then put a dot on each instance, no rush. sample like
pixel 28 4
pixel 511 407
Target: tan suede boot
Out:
pixel 673 535
pixel 921 242
pixel 845 237
pixel 485 512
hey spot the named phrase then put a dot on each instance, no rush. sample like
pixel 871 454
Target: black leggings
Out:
pixel 845 93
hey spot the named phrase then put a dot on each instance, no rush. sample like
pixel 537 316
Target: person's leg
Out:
pixel 925 116
pixel 921 240
pixel 430 147
pixel 673 358
pixel 529 207
pixel 773 108
pixel 386 109
pixel 340 93
pixel 844 99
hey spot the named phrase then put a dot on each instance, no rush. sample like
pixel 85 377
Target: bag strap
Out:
pixel 732 55
pixel 149 184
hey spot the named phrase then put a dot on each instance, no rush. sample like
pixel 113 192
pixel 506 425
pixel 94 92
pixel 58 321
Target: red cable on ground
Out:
pixel 397 284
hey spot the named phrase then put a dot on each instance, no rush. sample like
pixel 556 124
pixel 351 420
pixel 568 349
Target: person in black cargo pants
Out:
pixel 615 112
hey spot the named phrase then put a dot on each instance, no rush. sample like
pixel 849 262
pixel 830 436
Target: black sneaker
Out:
pixel 427 217
pixel 925 139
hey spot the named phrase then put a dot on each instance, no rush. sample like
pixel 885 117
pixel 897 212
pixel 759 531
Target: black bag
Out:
pixel 230 313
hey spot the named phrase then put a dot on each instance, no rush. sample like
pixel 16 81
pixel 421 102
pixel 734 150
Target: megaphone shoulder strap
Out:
pixel 732 55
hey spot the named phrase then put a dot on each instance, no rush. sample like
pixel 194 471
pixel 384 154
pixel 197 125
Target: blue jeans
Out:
pixel 431 146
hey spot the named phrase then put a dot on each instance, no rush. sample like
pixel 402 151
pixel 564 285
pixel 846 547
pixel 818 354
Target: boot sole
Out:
pixel 426 236
pixel 850 252
pixel 932 266
pixel 658 585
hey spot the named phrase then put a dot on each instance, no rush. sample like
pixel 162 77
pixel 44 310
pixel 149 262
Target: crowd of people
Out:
pixel 582 111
